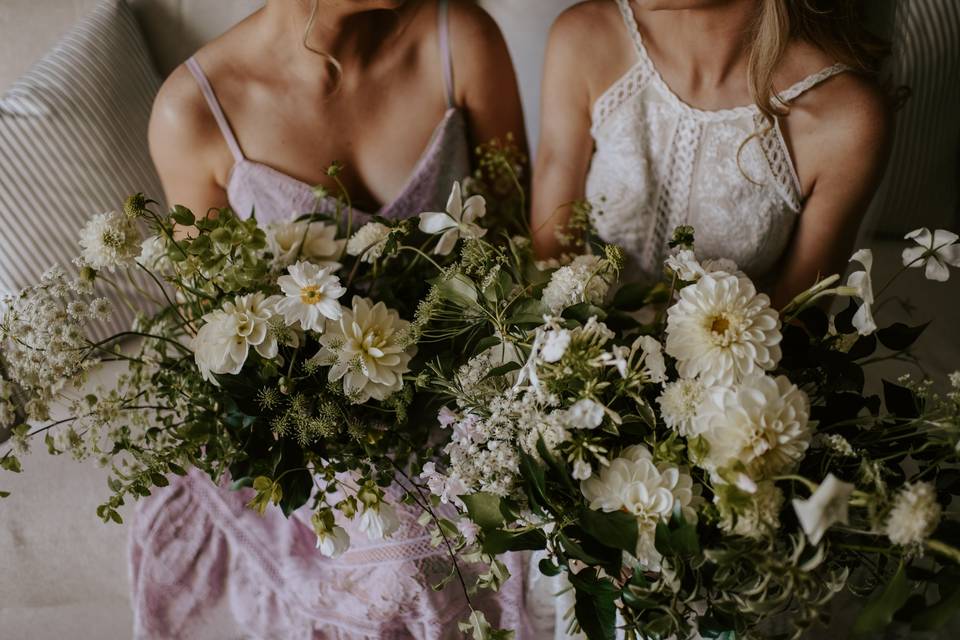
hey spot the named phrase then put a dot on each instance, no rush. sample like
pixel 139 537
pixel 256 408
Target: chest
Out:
pixel 377 142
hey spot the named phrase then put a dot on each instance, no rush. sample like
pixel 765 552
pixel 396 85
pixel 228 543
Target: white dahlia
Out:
pixel 762 422
pixel 369 241
pixel 583 280
pixel 311 294
pixel 301 240
pixel 634 484
pixel 223 342
pixel 680 404
pixel 110 240
pixel 915 514
pixel 721 330
pixel 366 349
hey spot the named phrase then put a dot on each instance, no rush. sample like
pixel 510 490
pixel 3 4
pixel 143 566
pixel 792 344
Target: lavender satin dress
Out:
pixel 201 562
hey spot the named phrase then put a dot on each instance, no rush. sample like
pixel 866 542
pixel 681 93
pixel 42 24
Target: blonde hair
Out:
pixel 835 26
pixel 332 61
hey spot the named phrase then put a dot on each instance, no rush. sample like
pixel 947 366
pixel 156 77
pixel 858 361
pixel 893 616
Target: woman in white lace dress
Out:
pixel 755 121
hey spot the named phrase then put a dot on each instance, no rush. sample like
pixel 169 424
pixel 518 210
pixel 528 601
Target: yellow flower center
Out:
pixel 311 294
pixel 720 324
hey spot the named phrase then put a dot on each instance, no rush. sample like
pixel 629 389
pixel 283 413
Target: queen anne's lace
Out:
pixel 660 163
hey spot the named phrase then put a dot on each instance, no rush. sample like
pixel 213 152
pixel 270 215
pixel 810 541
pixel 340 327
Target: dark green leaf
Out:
pixel 594 607
pixel 899 400
pixel 182 216
pixel 502 370
pixel 486 343
pixel 548 568
pixel 863 347
pixel 615 529
pixel 900 336
pixel 583 312
pixel 500 541
pixel 631 296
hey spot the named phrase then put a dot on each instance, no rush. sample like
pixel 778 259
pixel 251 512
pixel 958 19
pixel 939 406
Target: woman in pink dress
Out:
pixel 398 92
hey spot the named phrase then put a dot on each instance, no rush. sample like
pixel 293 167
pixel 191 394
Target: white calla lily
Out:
pixel 828 505
pixel 861 286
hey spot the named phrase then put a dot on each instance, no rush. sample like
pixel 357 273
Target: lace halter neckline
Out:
pixel 644 66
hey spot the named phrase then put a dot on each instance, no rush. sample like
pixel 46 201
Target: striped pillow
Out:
pixel 73 143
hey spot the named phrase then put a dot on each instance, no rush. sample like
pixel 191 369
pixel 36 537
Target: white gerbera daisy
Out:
pixel 366 349
pixel 369 241
pixel 223 343
pixel 110 240
pixel 762 422
pixel 915 514
pixel 458 221
pixel 311 296
pixel 721 330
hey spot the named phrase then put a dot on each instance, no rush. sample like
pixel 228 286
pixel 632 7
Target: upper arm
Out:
pixel 183 147
pixel 853 149
pixel 566 146
pixel 484 78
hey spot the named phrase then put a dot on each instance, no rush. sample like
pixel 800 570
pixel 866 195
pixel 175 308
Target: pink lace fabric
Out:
pixel 196 549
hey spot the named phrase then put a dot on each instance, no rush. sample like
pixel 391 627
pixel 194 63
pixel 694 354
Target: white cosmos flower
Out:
pixel 110 240
pixel 763 422
pixel 301 240
pixel 366 350
pixel 585 414
pixel 311 294
pixel 458 221
pixel 721 330
pixel 680 405
pixel 915 514
pixel 369 241
pixel 333 543
pixel 862 286
pixel 828 504
pixel 379 521
pixel 583 280
pixel 223 343
pixel 936 251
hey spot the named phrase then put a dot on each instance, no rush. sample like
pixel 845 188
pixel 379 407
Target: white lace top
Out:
pixel 659 163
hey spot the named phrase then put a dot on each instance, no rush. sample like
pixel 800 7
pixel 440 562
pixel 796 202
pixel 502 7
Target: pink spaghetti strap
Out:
pixel 215 108
pixel 446 57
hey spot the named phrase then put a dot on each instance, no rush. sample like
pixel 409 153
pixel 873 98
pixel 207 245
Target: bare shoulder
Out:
pixel 590 44
pixel 854 119
pixel 849 108
pixel 475 32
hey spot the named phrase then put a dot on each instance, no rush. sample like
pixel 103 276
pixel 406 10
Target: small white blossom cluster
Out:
pixel 915 514
pixel 484 450
pixel 44 333
pixel 586 279
pixel 8 407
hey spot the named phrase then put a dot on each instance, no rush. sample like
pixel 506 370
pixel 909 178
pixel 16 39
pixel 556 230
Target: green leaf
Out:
pixel 486 343
pixel 535 482
pixel 459 289
pixel 183 216
pixel 614 529
pixel 500 541
pixel 881 607
pixel 632 296
pixel 11 463
pixel 484 510
pixel 502 370
pixel 4 494
pixel 548 568
pixel 594 607
pixel 899 336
